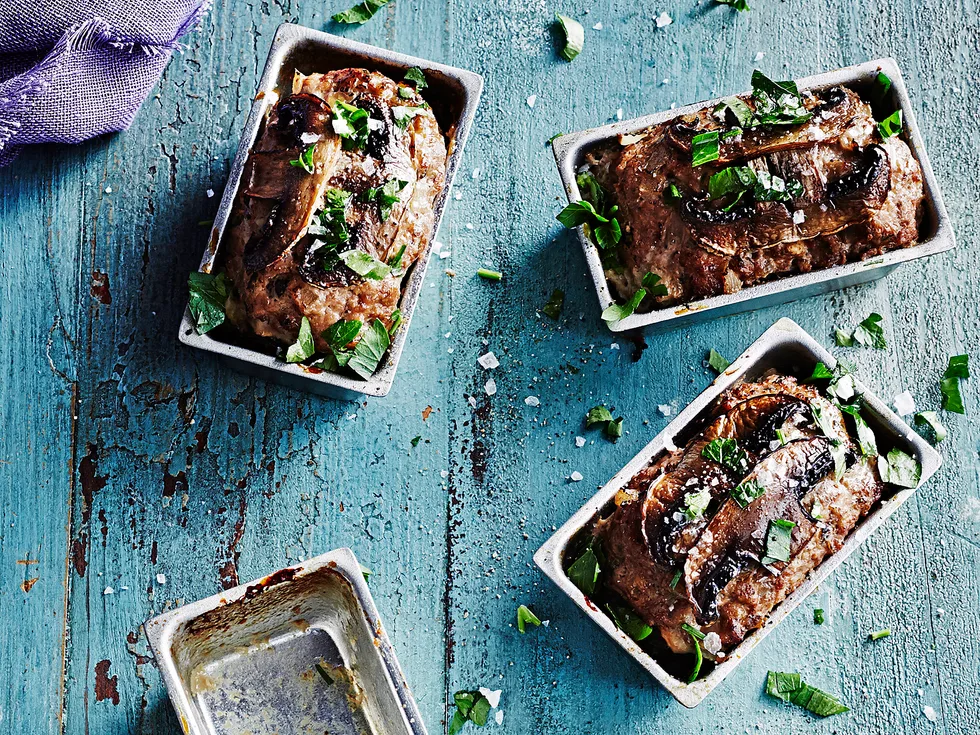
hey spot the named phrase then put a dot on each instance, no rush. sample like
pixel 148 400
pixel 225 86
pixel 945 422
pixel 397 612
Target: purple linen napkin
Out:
pixel 74 69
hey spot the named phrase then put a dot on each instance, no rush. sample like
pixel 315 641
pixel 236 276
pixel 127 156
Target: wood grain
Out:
pixel 124 456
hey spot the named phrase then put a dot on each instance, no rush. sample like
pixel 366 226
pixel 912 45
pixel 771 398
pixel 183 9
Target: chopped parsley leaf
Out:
pixel 651 282
pixel 747 491
pixel 629 622
pixel 351 124
pixel 821 372
pixel 584 571
pixel 553 138
pixel 865 436
pixel 618 312
pixel 208 294
pixel 672 194
pixel 818 616
pixel 574 37
pixel 882 87
pixel 696 503
pixel 395 261
pixel 604 229
pixel 385 196
pixel 525 616
pixel 416 77
pixel 779 538
pixel 303 348
pixel 416 440
pixel 370 349
pixel 305 160
pixel 869 332
pixel 403 115
pixel 366 265
pixel 718 363
pixel 360 13
pixel 489 274
pixel 471 706
pixel 842 338
pixel 740 5
pixel 704 148
pixel 957 369
pixel 365 572
pixel 891 125
pixel 931 418
pixel 792 689
pixel 598 415
pixel 727 453
pixel 614 429
pixel 777 103
pixel 697 636
pixel 877 635
pixel 554 306
pixel 900 469
pixel 742 180
pixel 677 578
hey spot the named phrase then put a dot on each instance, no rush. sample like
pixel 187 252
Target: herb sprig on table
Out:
pixel 360 13
pixel 208 294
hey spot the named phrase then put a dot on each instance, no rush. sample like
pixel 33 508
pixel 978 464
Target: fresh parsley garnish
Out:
pixel 877 635
pixel 360 13
pixel 395 262
pixel 303 348
pixel 618 312
pixel 697 636
pixel 727 453
pixel 949 386
pixel 677 578
pixel 366 265
pixel 791 688
pixel 651 282
pixel 329 228
pixel 416 440
pixel 604 229
pixel 554 306
pixel 842 338
pixel 366 573
pixel 208 294
pixel 370 349
pixel 882 87
pixel 821 372
pixel 416 77
pixel 614 429
pixel 718 363
pixel 822 420
pixel 776 103
pixel 672 194
pixel 762 186
pixel 471 706
pixel 868 333
pixel 525 616
pixel 696 503
pixel 779 539
pixel 305 160
pixel 931 419
pixel 629 622
pixel 364 357
pixel 385 196
pixel 574 37
pixel 553 138
pixel 900 469
pixel 351 124
pixel 403 115
pixel 489 275
pixel 747 491
pixel 597 415
pixel 584 571
pixel 865 436
pixel 740 5
pixel 891 125
pixel 704 148
pixel 818 616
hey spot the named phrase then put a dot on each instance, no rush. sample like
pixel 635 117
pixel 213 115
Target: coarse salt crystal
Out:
pixel 597 27
pixel 476 174
pixel 108 591
pixel 161 579
pixel 458 195
pixel 443 474
pixel 108 190
pixel 712 643
pixel 614 346
pixel 580 441
pixel 493 697
pixel 309 138
pixel 619 114
pixel 443 254
pixel 375 124
pixel 904 403
pixel 499 716
pixel 799 216
pixel 664 20
pixel 210 193
pixel 469 225
pixel 532 401
pixel 490 387
pixel 576 477
pixel 471 400
pixel 760 55
pixel 546 623
pixel 531 100
pixel 664 409
pixel 488 361
pixel 930 713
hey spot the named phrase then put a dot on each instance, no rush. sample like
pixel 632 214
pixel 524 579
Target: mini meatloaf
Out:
pixel 336 203
pixel 799 182
pixel 716 534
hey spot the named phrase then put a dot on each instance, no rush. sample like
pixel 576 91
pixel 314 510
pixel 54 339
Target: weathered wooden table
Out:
pixel 135 475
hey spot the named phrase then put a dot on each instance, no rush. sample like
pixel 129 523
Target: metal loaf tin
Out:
pixel 243 662
pixel 454 95
pixel 936 233
pixel 783 346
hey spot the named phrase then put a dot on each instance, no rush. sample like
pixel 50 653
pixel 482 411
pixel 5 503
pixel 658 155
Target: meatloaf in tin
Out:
pixel 336 204
pixel 789 182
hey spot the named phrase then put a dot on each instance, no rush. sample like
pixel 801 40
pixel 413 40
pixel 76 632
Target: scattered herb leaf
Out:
pixel 740 5
pixel 303 348
pixel 489 274
pixel 697 636
pixel 604 229
pixel 870 333
pixel 900 469
pixel 931 418
pixel 629 622
pixel 403 115
pixel 704 148
pixel 617 312
pixel 471 706
pixel 776 103
pixel 525 616
pixel 891 125
pixel 882 87
pixel 208 294
pixel 365 572
pixel 842 338
pixel 696 503
pixel 727 453
pixel 584 571
pixel 554 306
pixel 416 440
pixel 385 196
pixel 791 688
pixel 779 538
pixel 416 77
pixel 574 37
pixel 370 349
pixel 957 369
pixel 677 578
pixel 351 124
pixel 305 160
pixel 879 634
pixel 366 265
pixel 821 372
pixel 651 282
pixel 747 491
pixel 360 13
pixel 597 415
pixel 718 363
pixel 865 436
pixel 818 616
pixel 614 429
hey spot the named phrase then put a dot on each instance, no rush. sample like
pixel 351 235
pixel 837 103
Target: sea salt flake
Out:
pixel 576 477
pixel 444 474
pixel 597 27
pixel 375 124
pixel 493 697
pixel 108 591
pixel 532 401
pixel 799 216
pixel 443 254
pixel 664 409
pixel 108 190
pixel 760 55
pixel 580 441
pixel 488 361
pixel 490 387
pixel 930 713
pixel 664 20
pixel 210 193
pixel 904 403
pixel 619 114
pixel 499 716
pixel 471 400
pixel 476 174
pixel 712 643
pixel 309 138
pixel 531 100
pixel 161 579
pixel 546 623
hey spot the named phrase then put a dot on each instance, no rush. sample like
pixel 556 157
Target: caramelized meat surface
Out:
pixel 858 196
pixel 710 568
pixel 291 227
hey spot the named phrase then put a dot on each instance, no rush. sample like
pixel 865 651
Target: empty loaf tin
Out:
pixel 300 651
pixel 936 234
pixel 783 346
pixel 452 93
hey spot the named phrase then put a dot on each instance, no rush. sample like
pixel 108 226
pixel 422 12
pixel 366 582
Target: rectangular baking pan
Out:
pixel 936 234
pixel 243 662
pixel 783 346
pixel 454 95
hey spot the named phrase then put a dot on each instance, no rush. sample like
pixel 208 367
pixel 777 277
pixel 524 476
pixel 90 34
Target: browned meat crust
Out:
pixel 861 196
pixel 722 586
pixel 277 274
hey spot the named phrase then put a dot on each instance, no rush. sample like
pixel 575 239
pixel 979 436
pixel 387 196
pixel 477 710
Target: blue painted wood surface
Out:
pixel 124 456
